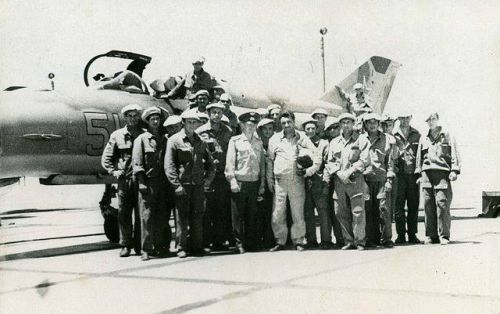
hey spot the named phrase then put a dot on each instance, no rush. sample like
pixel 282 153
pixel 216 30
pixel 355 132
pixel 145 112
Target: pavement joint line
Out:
pixel 53 238
pixel 186 307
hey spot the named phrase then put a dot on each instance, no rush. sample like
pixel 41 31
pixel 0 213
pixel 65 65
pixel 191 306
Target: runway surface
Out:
pixel 55 259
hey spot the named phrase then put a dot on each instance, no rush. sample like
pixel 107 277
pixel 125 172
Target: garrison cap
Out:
pixel 131 107
pixel 386 117
pixel 192 98
pixel 218 87
pixel 203 116
pixel 310 120
pixel 200 59
pixel 190 114
pixel 172 120
pixel 216 105
pixel 371 116
pixel 225 96
pixel 432 115
pixel 202 92
pixel 262 111
pixel 273 106
pixel 149 112
pixel 331 123
pixel 403 113
pixel 264 121
pixel 347 115
pixel 357 86
pixel 319 111
pixel 250 116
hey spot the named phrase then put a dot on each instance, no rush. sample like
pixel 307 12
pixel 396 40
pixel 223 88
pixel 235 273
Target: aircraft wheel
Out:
pixel 111 229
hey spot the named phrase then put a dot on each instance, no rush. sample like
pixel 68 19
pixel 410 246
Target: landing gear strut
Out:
pixel 110 214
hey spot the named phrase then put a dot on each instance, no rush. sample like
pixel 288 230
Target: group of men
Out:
pixel 254 182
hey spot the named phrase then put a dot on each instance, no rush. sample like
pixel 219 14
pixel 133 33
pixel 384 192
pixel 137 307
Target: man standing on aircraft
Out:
pixel 274 114
pixel 117 161
pixel 438 163
pixel 378 176
pixel 347 160
pixel 195 80
pixel 147 161
pixel 265 130
pixel 217 221
pixel 407 189
pixel 286 179
pixel 190 169
pixel 245 172
pixel 317 194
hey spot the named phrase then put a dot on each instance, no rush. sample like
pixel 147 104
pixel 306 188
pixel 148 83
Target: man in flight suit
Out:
pixel 438 163
pixel 347 160
pixel 147 162
pixel 117 161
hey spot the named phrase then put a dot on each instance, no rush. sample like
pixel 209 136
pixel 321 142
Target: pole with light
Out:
pixel 323 32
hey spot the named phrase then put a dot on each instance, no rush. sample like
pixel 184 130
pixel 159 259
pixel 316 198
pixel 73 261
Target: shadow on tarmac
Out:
pixel 65 250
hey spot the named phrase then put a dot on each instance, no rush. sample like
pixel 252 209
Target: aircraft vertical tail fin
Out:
pixel 377 76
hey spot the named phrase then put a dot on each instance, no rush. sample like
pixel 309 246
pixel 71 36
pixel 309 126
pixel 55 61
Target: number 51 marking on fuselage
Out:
pixel 99 126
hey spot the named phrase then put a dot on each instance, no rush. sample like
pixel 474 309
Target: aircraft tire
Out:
pixel 111 229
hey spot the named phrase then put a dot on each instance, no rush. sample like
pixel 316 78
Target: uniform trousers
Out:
pixel 189 209
pixel 349 203
pixel 128 205
pixel 378 216
pixel 244 214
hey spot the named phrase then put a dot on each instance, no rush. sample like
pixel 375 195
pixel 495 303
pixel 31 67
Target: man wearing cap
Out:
pixel 218 90
pixel 387 126
pixel 437 163
pixel 379 175
pixel 190 169
pixel 117 161
pixel 347 160
pixel 274 114
pixel 332 128
pixel 147 161
pixel 320 115
pixel 287 179
pixel 217 221
pixel 225 99
pixel 265 130
pixel 202 100
pixel 245 172
pixel 407 189
pixel 317 194
pixel 195 80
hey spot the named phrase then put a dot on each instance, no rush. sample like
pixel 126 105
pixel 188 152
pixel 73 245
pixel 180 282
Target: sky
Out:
pixel 449 51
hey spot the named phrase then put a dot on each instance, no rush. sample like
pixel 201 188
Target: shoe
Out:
pixel 414 240
pixel 428 240
pixel 339 245
pixel 241 249
pixel 125 252
pixel 145 256
pixel 388 244
pixel 370 245
pixel 326 245
pixel 444 241
pixel 312 244
pixel 401 239
pixel 137 250
pixel 360 247
pixel 277 247
pixel 181 254
pixel 300 247
pixel 348 246
pixel 207 250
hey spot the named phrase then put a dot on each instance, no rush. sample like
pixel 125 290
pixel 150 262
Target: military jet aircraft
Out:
pixel 59 136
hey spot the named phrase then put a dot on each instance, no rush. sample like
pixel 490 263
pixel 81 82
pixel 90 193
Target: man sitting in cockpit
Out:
pixel 129 80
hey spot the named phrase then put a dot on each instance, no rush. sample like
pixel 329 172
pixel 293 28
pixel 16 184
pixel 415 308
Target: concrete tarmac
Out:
pixel 55 259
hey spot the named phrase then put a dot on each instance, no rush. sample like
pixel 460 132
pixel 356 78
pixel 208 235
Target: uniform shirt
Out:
pixel 117 154
pixel 217 141
pixel 438 153
pixel 406 150
pixel 245 159
pixel 148 155
pixel 321 154
pixel 349 154
pixel 233 121
pixel 283 153
pixel 187 162
pixel 381 153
